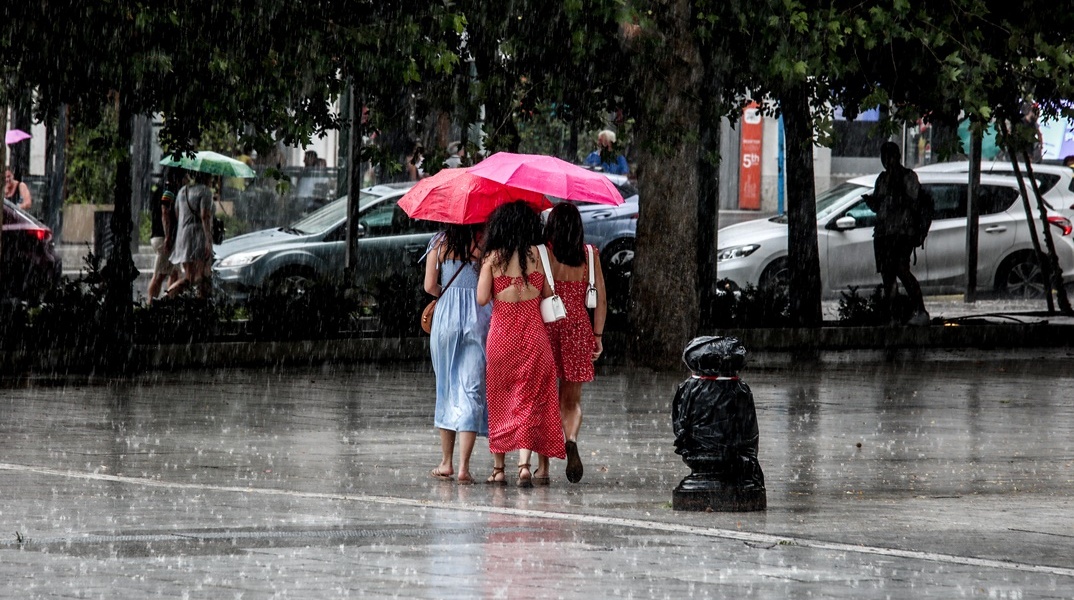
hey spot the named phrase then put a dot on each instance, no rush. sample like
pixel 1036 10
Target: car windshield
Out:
pixel 329 215
pixel 830 200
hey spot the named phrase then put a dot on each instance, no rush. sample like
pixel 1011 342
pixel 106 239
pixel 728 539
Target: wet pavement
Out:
pixel 930 479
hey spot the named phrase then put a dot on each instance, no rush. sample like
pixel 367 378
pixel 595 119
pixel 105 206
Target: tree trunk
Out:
pixel 664 292
pixel 803 257
pixel 56 172
pixel 708 173
pixel 119 273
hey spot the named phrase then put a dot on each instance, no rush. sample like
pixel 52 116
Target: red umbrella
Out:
pixel 548 175
pixel 458 197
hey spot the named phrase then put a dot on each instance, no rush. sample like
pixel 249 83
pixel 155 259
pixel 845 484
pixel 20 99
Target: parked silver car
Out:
pixel 1056 182
pixel 755 252
pixel 314 247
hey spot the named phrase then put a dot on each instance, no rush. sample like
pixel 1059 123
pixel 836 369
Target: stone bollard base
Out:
pixel 704 495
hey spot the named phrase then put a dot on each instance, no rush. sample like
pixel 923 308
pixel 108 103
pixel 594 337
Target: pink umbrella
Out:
pixel 548 175
pixel 456 196
pixel 15 136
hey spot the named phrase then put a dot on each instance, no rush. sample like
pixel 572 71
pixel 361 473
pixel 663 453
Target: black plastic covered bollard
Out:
pixel 715 424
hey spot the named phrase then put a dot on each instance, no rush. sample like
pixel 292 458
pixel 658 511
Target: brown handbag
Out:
pixel 427 313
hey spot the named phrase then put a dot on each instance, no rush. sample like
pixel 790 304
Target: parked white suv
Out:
pixel 755 252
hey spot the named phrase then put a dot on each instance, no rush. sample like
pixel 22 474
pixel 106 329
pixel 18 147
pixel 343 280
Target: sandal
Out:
pixel 497 472
pixel 465 479
pixel 527 481
pixel 437 474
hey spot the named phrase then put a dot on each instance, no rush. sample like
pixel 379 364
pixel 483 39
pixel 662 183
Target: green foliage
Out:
pixel 91 157
pixel 322 310
pixel 183 319
pixel 751 307
pixel 72 316
pixel 857 310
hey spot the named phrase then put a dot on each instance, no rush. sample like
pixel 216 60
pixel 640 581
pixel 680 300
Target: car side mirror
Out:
pixel 360 232
pixel 844 223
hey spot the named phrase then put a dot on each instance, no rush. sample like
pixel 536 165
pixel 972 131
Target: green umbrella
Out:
pixel 206 161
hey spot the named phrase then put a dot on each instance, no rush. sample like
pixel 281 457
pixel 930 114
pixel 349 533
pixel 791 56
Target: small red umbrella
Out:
pixel 458 197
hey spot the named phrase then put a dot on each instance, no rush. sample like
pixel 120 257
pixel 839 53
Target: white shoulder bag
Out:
pixel 591 291
pixel 552 308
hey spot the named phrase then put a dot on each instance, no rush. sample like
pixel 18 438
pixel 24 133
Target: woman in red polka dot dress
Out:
pixel 523 404
pixel 576 342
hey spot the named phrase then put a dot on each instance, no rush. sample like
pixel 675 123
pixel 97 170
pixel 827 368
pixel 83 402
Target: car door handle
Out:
pixel 414 248
pixel 995 229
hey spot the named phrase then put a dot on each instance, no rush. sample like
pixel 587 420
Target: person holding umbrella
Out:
pixel 194 236
pixel 457 346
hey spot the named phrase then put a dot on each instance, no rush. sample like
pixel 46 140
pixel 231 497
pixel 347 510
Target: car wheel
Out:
pixel 776 276
pixel 1020 277
pixel 617 264
pixel 291 282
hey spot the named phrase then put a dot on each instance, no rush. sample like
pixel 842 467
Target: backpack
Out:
pixel 921 216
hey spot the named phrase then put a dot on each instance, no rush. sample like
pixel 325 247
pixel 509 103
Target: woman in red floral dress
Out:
pixel 576 342
pixel 520 378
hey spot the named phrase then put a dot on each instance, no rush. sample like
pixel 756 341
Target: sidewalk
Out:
pixel 943 480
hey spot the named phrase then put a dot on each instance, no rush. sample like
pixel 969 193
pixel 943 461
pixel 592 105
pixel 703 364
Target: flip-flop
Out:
pixel 436 474
pixel 465 480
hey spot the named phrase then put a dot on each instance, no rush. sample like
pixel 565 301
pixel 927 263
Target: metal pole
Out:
pixel 972 214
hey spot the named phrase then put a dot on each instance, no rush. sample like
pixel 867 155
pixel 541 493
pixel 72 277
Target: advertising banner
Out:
pixel 749 169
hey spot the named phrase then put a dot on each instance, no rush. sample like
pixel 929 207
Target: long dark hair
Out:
pixel 511 230
pixel 459 240
pixel 564 234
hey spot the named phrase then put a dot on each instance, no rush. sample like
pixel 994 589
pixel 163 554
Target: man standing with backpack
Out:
pixel 902 220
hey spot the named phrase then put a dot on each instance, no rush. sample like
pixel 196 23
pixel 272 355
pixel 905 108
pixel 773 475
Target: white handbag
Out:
pixel 552 308
pixel 591 291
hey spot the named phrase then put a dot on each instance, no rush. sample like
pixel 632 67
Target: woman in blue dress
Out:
pixel 457 346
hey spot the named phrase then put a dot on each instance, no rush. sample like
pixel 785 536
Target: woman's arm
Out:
pixel 546 290
pixel 432 270
pixel 207 223
pixel 484 281
pixel 24 193
pixel 600 313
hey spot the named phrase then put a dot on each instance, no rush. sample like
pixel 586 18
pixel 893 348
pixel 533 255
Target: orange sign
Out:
pixel 749 169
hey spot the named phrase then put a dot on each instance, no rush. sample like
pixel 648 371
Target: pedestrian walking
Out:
pixel 897 200
pixel 520 375
pixel 194 238
pixel 163 226
pixel 457 346
pixel 576 341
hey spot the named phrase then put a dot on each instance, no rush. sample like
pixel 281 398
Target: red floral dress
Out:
pixel 523 397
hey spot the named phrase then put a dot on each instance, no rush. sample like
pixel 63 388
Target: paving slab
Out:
pixel 893 481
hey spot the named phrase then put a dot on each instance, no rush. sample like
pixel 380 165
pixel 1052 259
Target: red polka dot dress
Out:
pixel 572 338
pixel 523 397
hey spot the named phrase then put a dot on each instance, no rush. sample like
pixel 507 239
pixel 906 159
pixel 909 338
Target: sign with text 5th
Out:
pixel 749 170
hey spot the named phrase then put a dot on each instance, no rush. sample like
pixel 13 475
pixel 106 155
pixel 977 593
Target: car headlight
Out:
pixel 736 252
pixel 239 259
